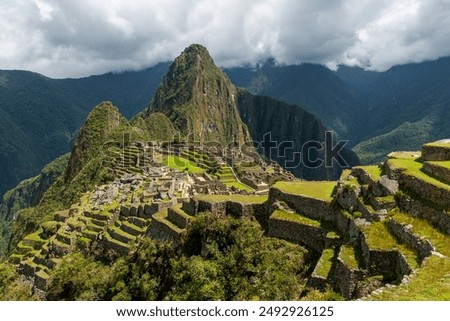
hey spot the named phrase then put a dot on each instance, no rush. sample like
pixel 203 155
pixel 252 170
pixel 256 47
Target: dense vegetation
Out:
pixel 219 259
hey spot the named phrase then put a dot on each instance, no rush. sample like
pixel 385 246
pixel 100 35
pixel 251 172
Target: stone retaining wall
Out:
pixel 310 207
pixel 437 171
pixel 435 153
pixel 428 191
pixel 403 232
pixel 345 279
pixel 312 237
pixel 416 208
pixel 389 263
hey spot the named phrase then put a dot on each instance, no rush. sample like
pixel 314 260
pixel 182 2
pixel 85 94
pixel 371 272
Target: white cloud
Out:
pixel 81 37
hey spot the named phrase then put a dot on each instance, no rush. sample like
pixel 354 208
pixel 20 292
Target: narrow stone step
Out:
pixel 93 227
pixel 34 240
pixel 131 229
pixel 23 248
pixel 138 221
pixel 58 248
pixel 420 235
pixel 163 229
pixel 119 235
pixel 16 258
pixel 64 237
pixel 92 235
pixel 113 244
pixel 99 223
pixel 178 217
pixel 98 216
pixel 53 262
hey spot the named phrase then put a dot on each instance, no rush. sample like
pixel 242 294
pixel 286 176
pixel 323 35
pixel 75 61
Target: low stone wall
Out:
pixel 403 232
pixel 392 172
pixel 190 207
pixel 416 208
pixel 435 153
pixel 363 177
pixel 217 208
pixel 317 281
pixel 310 207
pixel 312 237
pixel 40 282
pixel 232 208
pixel 344 279
pixel 390 263
pixel 428 191
pixel 437 171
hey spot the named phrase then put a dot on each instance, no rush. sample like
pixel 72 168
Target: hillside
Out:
pixel 200 100
pixel 30 101
pixel 378 112
pixel 313 87
pixel 407 106
pixel 137 216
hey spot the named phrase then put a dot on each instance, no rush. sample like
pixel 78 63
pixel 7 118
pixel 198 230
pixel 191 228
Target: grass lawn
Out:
pixel 315 189
pixel 180 163
pixel 414 168
pixel 325 262
pixel 294 217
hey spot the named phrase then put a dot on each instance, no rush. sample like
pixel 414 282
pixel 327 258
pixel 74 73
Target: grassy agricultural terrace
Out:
pixel 322 190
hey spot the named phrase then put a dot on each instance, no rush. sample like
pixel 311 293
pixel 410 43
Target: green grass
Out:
pixel 430 283
pixel 246 199
pixel 239 185
pixel 422 227
pixel 294 217
pixel 414 168
pixel 444 164
pixel 180 163
pixel 373 170
pixel 325 262
pixel 378 237
pixel 315 189
pixel 348 257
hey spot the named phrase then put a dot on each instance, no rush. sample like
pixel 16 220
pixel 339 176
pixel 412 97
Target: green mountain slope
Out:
pixel 39 116
pixel 199 99
pixel 313 87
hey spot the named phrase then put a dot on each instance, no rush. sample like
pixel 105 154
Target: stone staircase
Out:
pixel 170 223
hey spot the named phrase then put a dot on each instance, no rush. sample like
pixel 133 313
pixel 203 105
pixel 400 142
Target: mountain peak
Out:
pixel 100 123
pixel 199 99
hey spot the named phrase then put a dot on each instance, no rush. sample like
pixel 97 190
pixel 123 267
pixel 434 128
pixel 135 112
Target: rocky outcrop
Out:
pixel 200 100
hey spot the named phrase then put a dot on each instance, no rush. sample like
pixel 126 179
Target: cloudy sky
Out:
pixel 73 38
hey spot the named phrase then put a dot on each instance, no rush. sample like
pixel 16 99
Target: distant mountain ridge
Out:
pixel 40 116
pixel 398 109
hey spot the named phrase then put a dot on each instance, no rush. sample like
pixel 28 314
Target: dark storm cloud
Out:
pixel 76 38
